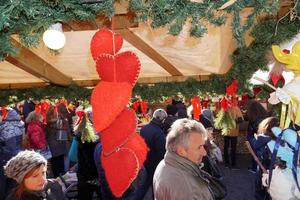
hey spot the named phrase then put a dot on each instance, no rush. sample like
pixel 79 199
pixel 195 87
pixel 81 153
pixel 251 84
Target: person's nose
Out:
pixel 43 179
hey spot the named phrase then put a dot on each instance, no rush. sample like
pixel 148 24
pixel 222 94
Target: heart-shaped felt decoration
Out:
pixel 137 143
pixel 120 168
pixel 102 42
pixel 108 100
pixel 123 67
pixel 119 131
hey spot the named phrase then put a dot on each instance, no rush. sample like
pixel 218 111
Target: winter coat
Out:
pixel 86 165
pixel 11 130
pixel 178 178
pixel 36 135
pixel 155 140
pixel 168 123
pixel 52 191
pixel 57 148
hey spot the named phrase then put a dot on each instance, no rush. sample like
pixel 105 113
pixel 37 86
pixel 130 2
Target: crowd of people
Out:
pixel 181 162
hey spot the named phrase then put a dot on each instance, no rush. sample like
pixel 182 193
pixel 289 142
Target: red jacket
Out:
pixel 36 135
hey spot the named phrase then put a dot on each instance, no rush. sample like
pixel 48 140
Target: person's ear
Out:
pixel 181 151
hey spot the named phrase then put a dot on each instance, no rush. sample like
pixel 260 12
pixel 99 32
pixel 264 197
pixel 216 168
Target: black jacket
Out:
pixel 52 191
pixel 155 140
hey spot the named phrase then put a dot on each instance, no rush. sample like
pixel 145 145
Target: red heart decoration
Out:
pixel 102 42
pixel 137 143
pixel 276 78
pixel 108 100
pixel 122 167
pixel 121 130
pixel 123 67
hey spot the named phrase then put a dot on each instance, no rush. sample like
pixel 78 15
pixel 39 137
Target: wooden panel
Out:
pixel 171 79
pixel 93 82
pixel 140 44
pixel 86 83
pixel 22 85
pixel 33 64
pixel 121 21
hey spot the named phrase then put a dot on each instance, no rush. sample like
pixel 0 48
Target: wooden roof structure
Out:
pixel 164 58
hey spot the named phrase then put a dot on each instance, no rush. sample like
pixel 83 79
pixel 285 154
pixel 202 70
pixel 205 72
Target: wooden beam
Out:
pixel 121 21
pixel 22 85
pixel 86 83
pixel 146 80
pixel 167 79
pixel 140 44
pixel 33 64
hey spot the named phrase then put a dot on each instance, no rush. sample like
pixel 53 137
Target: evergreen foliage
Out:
pixel 225 122
pixel 29 19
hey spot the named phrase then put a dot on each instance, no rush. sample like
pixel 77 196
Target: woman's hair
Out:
pixel 180 132
pixel 51 115
pixel 20 189
pixel 33 116
pixel 255 110
pixel 62 110
pixel 85 128
pixel 266 125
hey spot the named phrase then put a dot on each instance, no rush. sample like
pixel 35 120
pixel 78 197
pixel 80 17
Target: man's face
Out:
pixel 195 151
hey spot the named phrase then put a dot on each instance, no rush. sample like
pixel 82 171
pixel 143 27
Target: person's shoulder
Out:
pixel 167 173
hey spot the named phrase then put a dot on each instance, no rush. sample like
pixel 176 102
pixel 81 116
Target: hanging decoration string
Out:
pixel 114 48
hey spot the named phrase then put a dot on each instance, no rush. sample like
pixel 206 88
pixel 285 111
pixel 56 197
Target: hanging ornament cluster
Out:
pixel 42 108
pixel 3 112
pixel 225 120
pixel 124 151
pixel 196 107
pixel 140 106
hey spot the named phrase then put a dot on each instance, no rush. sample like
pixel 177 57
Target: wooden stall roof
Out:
pixel 163 57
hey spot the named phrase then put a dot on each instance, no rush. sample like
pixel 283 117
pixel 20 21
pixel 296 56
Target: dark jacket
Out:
pixel 52 191
pixel 252 129
pixel 168 123
pixel 57 148
pixel 86 165
pixel 156 141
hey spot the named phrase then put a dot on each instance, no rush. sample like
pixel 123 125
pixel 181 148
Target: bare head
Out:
pixel 187 138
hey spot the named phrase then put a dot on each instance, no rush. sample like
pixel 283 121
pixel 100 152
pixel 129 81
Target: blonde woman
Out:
pixel 87 171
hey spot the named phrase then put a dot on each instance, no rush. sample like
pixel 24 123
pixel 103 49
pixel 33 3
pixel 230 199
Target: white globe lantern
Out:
pixel 54 38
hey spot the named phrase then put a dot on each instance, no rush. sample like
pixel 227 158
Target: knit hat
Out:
pixel 18 166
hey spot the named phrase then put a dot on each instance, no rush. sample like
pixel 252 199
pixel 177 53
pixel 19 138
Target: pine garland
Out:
pixel 175 13
pixel 225 122
pixel 246 59
pixel 30 18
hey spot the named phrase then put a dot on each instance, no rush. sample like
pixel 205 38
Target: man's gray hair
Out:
pixel 180 132
pixel 160 114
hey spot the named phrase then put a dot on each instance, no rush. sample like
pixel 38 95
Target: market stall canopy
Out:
pixel 163 57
